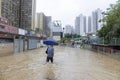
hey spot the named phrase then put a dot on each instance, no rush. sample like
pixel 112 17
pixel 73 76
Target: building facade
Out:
pixel 10 10
pixel 85 25
pixel 48 25
pixel 82 25
pixel 43 24
pixel 69 29
pixel 96 17
pixel 27 14
pixel 57 31
pixel 89 24
pixel 100 17
pixel 77 25
pixel 18 12
pixel 40 22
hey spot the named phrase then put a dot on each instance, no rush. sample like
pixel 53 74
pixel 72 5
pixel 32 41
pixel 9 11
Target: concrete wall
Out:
pixel 6 49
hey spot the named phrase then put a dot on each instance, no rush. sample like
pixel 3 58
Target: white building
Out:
pixel 100 16
pixel 77 25
pixel 89 29
pixel 96 17
pixel 94 21
pixel 91 24
pixel 69 29
pixel 82 25
pixel 57 30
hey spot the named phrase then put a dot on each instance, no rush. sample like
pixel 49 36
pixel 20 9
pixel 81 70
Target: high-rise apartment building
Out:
pixel 40 22
pixel 85 25
pixel 10 10
pixel 89 24
pixel 19 13
pixel 100 17
pixel 96 17
pixel 94 22
pixel 69 29
pixel 48 26
pixel 43 24
pixel 80 25
pixel 77 25
pixel 27 14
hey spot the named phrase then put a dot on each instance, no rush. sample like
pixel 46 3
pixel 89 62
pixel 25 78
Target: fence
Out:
pixel 115 41
pixel 97 40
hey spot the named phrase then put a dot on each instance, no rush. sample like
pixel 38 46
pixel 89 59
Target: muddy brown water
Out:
pixel 69 64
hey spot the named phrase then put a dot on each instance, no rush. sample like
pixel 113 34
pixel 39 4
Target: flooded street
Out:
pixel 69 64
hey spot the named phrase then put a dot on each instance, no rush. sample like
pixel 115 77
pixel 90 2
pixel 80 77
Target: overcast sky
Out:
pixel 67 10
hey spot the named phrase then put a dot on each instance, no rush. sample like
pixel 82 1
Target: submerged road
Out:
pixel 69 64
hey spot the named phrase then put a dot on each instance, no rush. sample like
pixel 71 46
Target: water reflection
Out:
pixel 50 74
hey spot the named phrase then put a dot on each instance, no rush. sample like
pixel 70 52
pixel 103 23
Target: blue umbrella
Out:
pixel 50 42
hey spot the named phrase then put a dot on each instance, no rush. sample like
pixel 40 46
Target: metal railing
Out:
pixel 113 41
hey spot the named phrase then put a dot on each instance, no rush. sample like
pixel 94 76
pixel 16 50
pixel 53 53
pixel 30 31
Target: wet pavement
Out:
pixel 69 64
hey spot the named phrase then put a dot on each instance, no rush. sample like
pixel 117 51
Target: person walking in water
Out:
pixel 50 53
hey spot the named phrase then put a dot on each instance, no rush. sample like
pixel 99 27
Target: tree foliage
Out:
pixel 112 27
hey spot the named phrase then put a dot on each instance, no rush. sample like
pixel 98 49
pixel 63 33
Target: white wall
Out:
pixel 57 29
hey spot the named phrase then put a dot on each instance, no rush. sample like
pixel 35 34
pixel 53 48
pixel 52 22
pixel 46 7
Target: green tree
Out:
pixel 112 27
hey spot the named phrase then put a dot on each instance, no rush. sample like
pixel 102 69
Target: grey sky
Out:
pixel 67 10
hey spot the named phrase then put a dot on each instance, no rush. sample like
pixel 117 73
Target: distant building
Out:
pixel 43 24
pixel 85 25
pixel 27 13
pixel 48 25
pixel 94 22
pixel 96 17
pixel 80 25
pixel 33 14
pixel 77 25
pixel 73 30
pixel 40 23
pixel 89 24
pixel 48 21
pixel 100 17
pixel 69 29
pixel 57 31
pixel 20 13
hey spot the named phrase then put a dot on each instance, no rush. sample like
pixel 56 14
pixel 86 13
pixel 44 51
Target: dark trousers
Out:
pixel 49 58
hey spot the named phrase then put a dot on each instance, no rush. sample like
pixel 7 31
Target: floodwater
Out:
pixel 69 64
